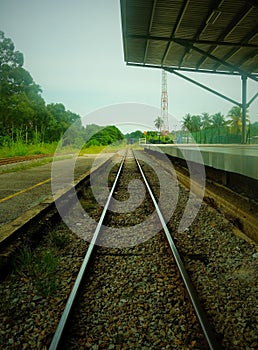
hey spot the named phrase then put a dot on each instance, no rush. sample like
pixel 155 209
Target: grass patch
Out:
pixel 59 240
pixel 91 150
pixel 17 149
pixel 68 152
pixel 22 149
pixel 40 267
pixel 114 147
pixel 23 261
pixel 44 271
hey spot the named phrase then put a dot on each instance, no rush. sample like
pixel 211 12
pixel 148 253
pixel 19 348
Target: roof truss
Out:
pixel 200 35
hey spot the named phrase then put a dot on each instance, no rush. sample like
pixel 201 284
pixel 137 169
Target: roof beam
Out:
pixel 253 2
pixel 173 33
pixel 192 41
pixel 248 37
pixel 124 26
pixel 246 58
pixel 154 3
pixel 184 69
pixel 229 29
pixel 254 67
pixel 187 43
pixel 228 54
pixel 216 4
pixel 224 63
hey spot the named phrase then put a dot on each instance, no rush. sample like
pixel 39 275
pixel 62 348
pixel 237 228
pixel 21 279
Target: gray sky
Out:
pixel 73 50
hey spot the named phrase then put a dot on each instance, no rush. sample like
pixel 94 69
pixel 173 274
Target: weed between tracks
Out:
pixel 40 265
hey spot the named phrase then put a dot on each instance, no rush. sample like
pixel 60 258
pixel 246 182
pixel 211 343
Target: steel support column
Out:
pixel 244 85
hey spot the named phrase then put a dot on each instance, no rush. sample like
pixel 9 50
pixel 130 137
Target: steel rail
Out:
pixel 200 313
pixel 56 340
pixel 18 159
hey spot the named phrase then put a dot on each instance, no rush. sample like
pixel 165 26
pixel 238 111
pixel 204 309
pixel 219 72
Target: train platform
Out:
pixel 232 158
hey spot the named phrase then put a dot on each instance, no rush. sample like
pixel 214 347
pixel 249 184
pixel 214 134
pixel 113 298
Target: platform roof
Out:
pixel 195 35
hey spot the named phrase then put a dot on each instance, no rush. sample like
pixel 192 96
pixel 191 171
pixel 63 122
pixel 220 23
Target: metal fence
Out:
pixel 211 136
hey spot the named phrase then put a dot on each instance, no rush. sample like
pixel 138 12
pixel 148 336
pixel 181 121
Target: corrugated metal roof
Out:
pixel 202 35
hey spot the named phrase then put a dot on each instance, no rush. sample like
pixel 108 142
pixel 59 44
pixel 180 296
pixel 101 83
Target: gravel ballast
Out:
pixel 129 297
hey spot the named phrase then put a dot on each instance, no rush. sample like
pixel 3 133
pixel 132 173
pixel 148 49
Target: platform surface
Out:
pixel 240 159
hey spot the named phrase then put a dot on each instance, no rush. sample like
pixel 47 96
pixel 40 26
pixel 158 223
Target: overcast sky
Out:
pixel 73 50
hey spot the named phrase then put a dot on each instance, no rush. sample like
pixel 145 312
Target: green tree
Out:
pixel 41 119
pixel 74 135
pixel 134 135
pixel 9 57
pixel 61 121
pixel 158 122
pixel 254 129
pixel 24 115
pixel 206 120
pixel 235 114
pixel 187 122
pixel 20 101
pixel 192 123
pixel 106 136
pixel 196 123
pixel 218 122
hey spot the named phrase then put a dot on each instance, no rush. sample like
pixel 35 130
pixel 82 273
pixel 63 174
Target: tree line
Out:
pixel 205 121
pixel 219 128
pixel 25 116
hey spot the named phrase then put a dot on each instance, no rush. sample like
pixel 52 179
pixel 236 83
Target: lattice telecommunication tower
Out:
pixel 164 103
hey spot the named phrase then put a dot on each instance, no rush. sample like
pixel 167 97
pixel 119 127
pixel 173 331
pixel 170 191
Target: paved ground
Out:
pixel 23 190
pixel 236 158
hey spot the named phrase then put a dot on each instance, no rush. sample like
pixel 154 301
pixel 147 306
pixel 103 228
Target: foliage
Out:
pixel 151 134
pixel 39 265
pixel 26 120
pixel 91 130
pixel 206 120
pixel 157 137
pixel 24 259
pixel 59 240
pixel 92 149
pixel 18 94
pixel 24 115
pixel 214 128
pixel 159 122
pixel 254 129
pixel 235 114
pixel 60 121
pixel 105 136
pixel 21 149
pixel 137 134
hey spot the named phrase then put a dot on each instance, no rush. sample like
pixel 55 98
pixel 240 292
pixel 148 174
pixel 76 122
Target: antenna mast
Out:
pixel 164 103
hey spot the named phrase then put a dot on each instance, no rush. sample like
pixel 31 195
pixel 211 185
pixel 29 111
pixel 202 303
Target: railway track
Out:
pixel 151 322
pixel 10 160
pixel 132 295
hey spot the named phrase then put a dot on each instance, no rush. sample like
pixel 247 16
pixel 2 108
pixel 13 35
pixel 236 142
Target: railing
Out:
pixel 142 141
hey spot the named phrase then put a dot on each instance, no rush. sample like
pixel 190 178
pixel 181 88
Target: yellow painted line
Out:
pixel 25 190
